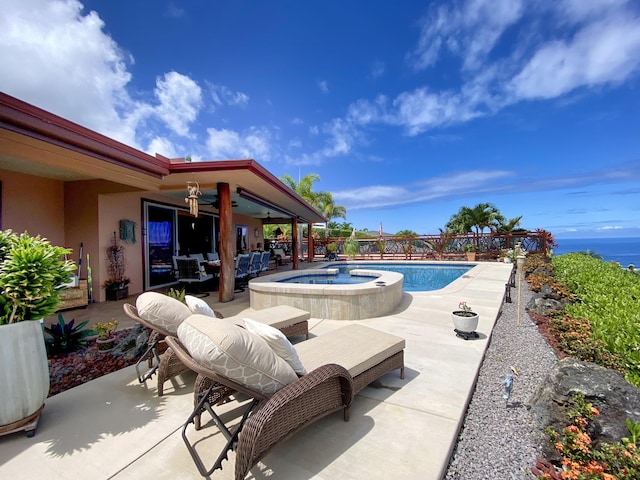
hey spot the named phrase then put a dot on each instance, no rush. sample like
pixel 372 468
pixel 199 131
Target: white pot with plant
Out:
pixel 31 270
pixel 465 320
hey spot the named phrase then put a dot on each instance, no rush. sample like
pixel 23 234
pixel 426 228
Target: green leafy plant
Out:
pixel 464 310
pixel 105 329
pixel 408 241
pixel 381 245
pixel 351 247
pixel 31 270
pixel 469 247
pixel 177 294
pixel 615 461
pixel 67 337
pixel 332 247
pixel 609 301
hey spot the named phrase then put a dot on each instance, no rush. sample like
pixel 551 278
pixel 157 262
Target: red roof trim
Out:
pixel 246 164
pixel 34 122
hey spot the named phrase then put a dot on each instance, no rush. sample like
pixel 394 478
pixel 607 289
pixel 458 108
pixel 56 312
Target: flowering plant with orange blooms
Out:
pixel 617 461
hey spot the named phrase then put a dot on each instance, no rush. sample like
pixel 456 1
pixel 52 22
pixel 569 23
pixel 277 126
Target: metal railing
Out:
pixel 487 246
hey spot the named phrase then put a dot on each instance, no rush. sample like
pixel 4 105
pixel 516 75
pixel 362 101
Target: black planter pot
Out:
pixel 114 294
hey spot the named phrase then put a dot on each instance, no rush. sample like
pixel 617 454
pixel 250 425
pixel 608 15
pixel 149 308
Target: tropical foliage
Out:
pixel 67 337
pixel 31 270
pixel 608 297
pixel 476 219
pixel 580 459
pixel 321 201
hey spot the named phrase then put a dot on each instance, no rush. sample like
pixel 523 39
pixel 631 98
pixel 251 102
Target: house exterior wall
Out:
pixel 88 212
pixel 34 204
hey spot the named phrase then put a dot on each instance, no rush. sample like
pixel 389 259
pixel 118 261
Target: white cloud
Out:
pixel 223 95
pixel 180 101
pixel 470 30
pixel 164 147
pixel 378 196
pixel 377 69
pixel 227 144
pixel 55 57
pixel 603 52
pixel 610 227
pixel 324 86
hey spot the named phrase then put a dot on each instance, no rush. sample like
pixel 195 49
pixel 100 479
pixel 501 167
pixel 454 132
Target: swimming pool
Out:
pixel 331 278
pixel 378 295
pixel 420 277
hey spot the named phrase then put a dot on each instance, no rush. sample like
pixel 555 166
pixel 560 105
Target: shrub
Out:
pixel 609 300
pixel 616 461
pixel 67 337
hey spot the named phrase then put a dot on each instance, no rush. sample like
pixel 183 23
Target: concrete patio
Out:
pixel 116 428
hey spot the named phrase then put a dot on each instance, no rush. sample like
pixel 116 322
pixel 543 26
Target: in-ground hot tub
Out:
pixel 375 296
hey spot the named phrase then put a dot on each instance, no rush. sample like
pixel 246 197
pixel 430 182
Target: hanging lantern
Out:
pixel 193 190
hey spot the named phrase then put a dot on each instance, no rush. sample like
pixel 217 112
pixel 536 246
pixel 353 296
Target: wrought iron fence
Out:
pixel 488 246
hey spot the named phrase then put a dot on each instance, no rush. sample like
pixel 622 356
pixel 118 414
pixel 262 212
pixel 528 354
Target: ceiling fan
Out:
pixel 214 203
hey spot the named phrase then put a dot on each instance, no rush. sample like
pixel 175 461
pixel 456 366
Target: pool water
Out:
pixel 338 279
pixel 417 277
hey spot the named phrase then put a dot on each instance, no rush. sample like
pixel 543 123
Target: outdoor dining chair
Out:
pixel 254 264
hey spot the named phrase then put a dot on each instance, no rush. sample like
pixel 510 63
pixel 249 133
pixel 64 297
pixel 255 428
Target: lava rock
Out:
pixel 134 344
pixel 543 304
pixel 605 389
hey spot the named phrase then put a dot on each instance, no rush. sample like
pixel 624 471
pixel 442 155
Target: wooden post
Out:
pixel 227 244
pixel 310 244
pixel 294 243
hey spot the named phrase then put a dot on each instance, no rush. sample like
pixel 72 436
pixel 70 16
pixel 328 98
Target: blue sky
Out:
pixel 406 110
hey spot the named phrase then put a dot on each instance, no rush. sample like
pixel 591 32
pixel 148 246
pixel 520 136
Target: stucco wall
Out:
pixel 34 204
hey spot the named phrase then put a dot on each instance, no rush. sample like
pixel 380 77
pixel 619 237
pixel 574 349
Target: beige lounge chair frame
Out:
pixel 266 421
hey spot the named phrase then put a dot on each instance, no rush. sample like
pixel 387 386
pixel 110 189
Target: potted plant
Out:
pixel 331 251
pixel 31 270
pixel 105 331
pixel 117 285
pixel 351 248
pixel 381 245
pixel 465 321
pixel 409 237
pixel 470 250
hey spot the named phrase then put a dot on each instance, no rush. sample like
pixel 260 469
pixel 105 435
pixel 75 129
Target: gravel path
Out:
pixel 497 441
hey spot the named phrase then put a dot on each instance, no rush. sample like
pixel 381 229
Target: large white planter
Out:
pixel 464 323
pixel 24 376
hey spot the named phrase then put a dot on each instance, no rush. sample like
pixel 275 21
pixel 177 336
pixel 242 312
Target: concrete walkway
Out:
pixel 113 427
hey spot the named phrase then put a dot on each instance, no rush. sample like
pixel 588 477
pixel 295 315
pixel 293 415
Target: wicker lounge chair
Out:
pixel 341 363
pixel 289 320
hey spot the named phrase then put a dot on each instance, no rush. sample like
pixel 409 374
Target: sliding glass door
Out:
pixel 173 231
pixel 160 245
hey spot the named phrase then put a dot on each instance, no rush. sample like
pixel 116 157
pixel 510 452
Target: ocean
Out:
pixel 625 251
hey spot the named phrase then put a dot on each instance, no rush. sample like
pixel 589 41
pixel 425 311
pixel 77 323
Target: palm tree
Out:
pixel 321 201
pixel 409 236
pixel 510 225
pixel 304 188
pixel 329 209
pixel 476 219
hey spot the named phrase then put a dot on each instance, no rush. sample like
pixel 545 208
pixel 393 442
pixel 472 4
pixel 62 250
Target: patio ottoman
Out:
pixel 366 353
pixel 289 320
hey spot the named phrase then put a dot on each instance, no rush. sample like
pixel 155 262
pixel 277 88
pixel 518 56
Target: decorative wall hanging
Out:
pixel 128 231
pixel 193 190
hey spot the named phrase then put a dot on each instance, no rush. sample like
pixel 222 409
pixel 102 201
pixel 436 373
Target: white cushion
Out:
pixel 278 343
pixel 236 353
pixel 197 305
pixel 161 310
